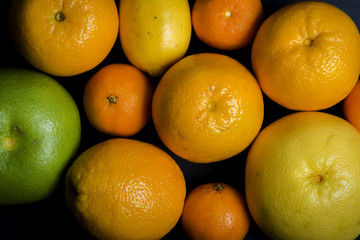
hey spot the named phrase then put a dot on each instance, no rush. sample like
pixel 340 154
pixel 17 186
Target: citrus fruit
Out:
pixel 207 107
pixel 351 106
pixel 125 189
pixel 227 24
pixel 215 211
pixel 302 178
pixel 154 34
pixel 306 56
pixel 117 100
pixel 64 38
pixel 39 134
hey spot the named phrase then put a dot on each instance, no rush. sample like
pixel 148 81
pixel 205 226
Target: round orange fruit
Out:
pixel 215 211
pixel 64 38
pixel 125 189
pixel 117 100
pixel 227 24
pixel 207 107
pixel 306 56
pixel 351 106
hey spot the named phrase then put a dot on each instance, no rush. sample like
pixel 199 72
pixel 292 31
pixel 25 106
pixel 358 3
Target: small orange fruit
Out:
pixel 227 24
pixel 207 107
pixel 64 38
pixel 215 211
pixel 351 106
pixel 125 189
pixel 306 56
pixel 117 100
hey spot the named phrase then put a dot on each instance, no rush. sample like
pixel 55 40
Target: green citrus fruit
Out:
pixel 302 178
pixel 39 133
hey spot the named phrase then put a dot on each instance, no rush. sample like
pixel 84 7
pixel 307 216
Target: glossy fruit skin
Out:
pixel 207 107
pixel 117 100
pixel 306 56
pixel 215 211
pixel 351 106
pixel 40 132
pixel 154 34
pixel 64 38
pixel 125 189
pixel 227 24
pixel 302 178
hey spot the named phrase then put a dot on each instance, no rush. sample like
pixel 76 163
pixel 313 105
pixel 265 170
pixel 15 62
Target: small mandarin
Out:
pixel 117 100
pixel 227 24
pixel 215 211
pixel 351 106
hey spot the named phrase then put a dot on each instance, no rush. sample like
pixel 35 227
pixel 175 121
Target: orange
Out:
pixel 207 107
pixel 215 211
pixel 306 56
pixel 125 189
pixel 40 135
pixel 117 100
pixel 351 106
pixel 64 38
pixel 227 24
pixel 302 178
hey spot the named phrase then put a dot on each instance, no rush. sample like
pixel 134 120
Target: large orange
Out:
pixel 215 211
pixel 125 189
pixel 351 106
pixel 306 56
pixel 117 100
pixel 207 107
pixel 64 38
pixel 227 24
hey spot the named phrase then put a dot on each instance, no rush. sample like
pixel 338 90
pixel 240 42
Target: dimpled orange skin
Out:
pixel 125 189
pixel 117 100
pixel 306 56
pixel 64 37
pixel 215 211
pixel 207 107
pixel 227 24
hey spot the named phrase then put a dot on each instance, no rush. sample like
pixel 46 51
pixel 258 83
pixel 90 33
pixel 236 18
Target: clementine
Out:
pixel 215 211
pixel 64 38
pixel 117 100
pixel 207 107
pixel 125 189
pixel 306 56
pixel 227 24
pixel 351 106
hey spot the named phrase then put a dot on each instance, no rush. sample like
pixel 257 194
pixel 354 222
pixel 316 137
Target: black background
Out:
pixel 50 219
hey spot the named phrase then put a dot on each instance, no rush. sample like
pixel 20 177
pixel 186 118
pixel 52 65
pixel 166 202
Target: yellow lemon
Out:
pixel 154 34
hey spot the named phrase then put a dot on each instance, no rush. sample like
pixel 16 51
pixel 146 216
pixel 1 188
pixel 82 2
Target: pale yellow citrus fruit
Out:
pixel 306 56
pixel 302 178
pixel 154 34
pixel 207 107
pixel 64 38
pixel 125 189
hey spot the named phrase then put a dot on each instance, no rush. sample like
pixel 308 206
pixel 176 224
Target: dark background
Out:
pixel 50 219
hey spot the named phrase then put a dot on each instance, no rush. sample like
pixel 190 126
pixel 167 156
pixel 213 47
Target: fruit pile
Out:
pixel 177 119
